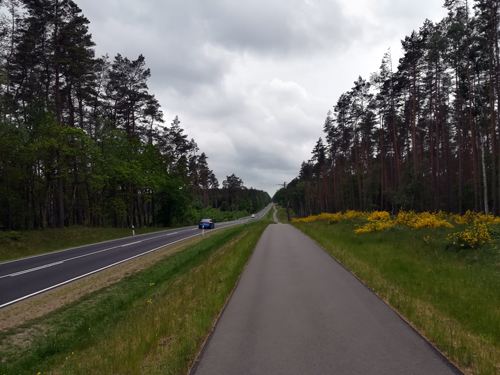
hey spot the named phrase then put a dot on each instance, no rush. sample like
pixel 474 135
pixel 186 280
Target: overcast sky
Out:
pixel 253 80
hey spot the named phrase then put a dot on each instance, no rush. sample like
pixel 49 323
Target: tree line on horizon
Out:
pixel 84 142
pixel 422 135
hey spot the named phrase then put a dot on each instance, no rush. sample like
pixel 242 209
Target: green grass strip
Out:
pixel 452 297
pixel 152 322
pixel 281 215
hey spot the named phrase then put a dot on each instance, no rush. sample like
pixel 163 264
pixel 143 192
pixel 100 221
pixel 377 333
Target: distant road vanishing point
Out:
pixel 297 311
pixel 25 278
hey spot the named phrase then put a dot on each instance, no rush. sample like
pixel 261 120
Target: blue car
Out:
pixel 206 223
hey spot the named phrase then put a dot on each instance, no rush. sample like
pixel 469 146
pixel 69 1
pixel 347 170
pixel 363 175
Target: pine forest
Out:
pixel 419 134
pixel 84 142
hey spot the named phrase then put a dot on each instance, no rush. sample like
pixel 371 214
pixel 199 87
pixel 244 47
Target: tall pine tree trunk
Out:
pixel 485 179
pixel 60 202
pixel 492 127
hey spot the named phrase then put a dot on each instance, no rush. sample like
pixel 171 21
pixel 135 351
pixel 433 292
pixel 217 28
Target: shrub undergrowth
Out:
pixel 476 227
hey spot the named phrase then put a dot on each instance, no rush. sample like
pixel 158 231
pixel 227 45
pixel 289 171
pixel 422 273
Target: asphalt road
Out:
pixel 297 311
pixel 27 277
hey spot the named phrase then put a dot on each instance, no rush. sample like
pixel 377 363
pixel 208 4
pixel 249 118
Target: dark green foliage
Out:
pixel 421 134
pixel 83 141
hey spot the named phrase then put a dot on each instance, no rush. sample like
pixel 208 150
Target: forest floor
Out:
pixel 150 315
pixel 450 296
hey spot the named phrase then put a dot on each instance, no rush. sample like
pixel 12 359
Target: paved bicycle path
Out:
pixel 275 213
pixel 297 311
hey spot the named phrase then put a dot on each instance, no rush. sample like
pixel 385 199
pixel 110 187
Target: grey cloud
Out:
pixel 252 80
pixel 186 69
pixel 280 26
pixel 190 44
pixel 253 158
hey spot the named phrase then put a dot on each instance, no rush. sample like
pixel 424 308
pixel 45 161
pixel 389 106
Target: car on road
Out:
pixel 206 223
pixel 253 216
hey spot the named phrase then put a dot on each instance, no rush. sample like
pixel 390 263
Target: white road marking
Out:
pixel 31 270
pixel 132 243
pixel 90 273
pixel 79 247
pixel 61 262
pixel 82 256
pixel 95 252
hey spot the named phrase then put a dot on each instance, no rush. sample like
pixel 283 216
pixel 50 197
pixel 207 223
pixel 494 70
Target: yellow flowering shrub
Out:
pixel 304 219
pixel 422 220
pixel 322 216
pixel 468 218
pixel 429 220
pixel 334 218
pixel 487 219
pixel 379 215
pixel 472 237
pixel 409 219
pixel 475 236
pixel 374 226
pixel 441 215
pixel 351 215
pixel 406 218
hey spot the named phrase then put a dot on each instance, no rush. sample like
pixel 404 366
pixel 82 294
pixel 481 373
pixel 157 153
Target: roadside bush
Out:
pixel 473 237
pixel 13 235
pixel 374 226
pixel 218 215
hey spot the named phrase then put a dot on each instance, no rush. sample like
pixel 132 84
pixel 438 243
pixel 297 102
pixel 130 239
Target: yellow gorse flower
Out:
pixel 379 215
pixel 472 237
pixel 334 218
pixel 380 220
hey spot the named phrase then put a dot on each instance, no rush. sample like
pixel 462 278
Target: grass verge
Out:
pixel 16 245
pixel 282 216
pixel 451 297
pixel 152 322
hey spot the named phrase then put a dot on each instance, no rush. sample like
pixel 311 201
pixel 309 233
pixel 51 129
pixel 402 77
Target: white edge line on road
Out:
pixel 96 252
pixel 116 239
pixel 97 243
pixel 90 273
pixel 86 255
